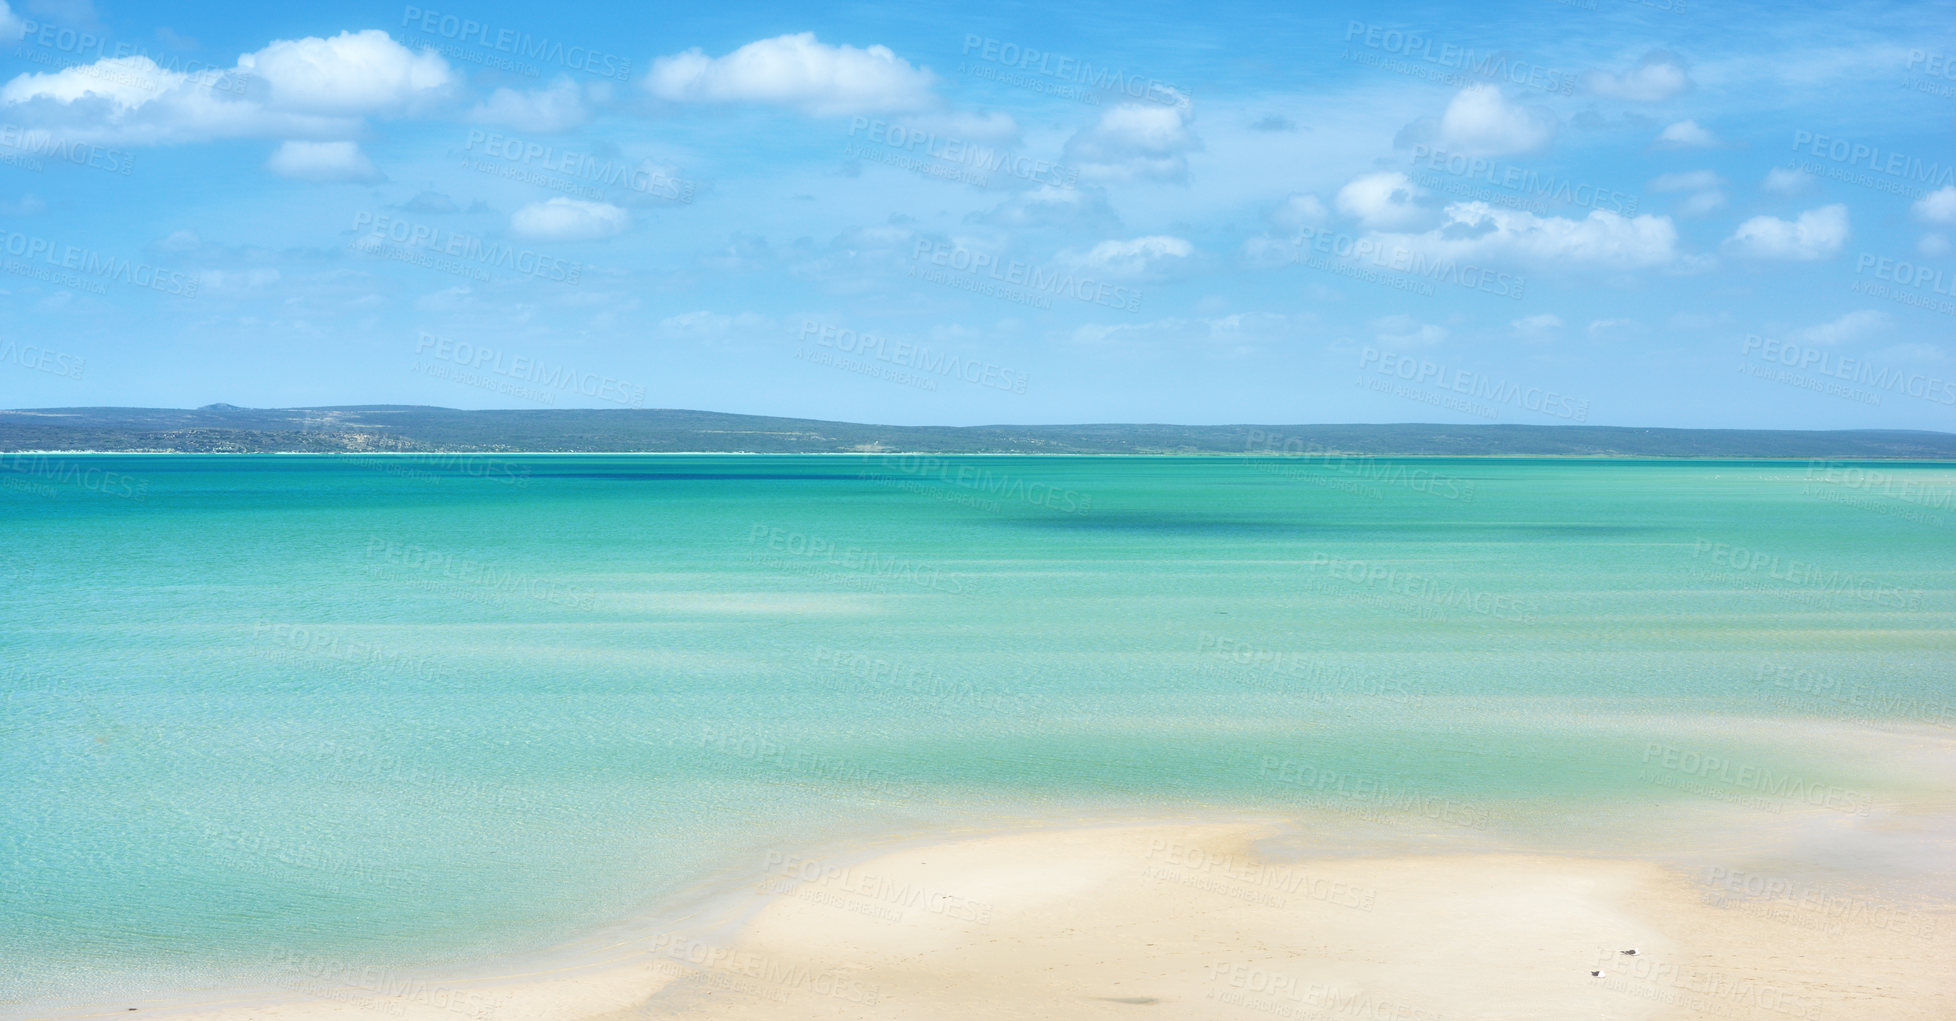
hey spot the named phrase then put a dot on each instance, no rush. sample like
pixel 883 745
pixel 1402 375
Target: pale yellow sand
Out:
pixel 1208 918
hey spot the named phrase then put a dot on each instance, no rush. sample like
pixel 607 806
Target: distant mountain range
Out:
pixel 224 428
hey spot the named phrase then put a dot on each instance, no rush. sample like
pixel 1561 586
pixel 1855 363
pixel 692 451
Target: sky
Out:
pixel 1608 212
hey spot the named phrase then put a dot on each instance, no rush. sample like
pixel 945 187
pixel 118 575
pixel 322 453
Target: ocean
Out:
pixel 421 710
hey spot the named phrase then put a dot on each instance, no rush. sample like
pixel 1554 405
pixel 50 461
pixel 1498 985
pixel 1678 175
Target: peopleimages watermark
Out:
pixel 1472 385
pixel 325 643
pixel 448 251
pixel 1013 279
pixel 855 563
pixel 83 53
pixel 567 170
pixel 1244 879
pixel 1856 379
pixel 1901 173
pixel 1391 796
pixel 1542 191
pixel 763 752
pixel 856 889
pixel 1850 700
pixel 548 379
pixel 469 578
pixel 43 473
pixel 1324 679
pixel 1916 285
pixel 85 269
pixel 1884 491
pixel 1933 73
pixel 1060 75
pixel 25 147
pixel 1323 466
pixel 479 42
pixel 975 477
pixel 1719 777
pixel 1448 63
pixel 1425 588
pixel 1413 268
pixel 928 364
pixel 334 979
pixel 1809 905
pixel 938 694
pixel 43 359
pixel 950 157
pixel 1806 580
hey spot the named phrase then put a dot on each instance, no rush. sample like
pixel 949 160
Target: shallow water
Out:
pixel 417 709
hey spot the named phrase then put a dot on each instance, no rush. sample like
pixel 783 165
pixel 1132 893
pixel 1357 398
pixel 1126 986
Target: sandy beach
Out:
pixel 1200 917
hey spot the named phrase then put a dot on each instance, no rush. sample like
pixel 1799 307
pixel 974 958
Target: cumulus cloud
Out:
pixel 1050 206
pixel 557 107
pixel 1686 135
pixel 11 28
pixel 1854 326
pixel 1382 200
pixel 1656 78
pixel 1816 234
pixel 1140 257
pixel 1938 207
pixel 1539 327
pixel 1476 230
pixel 797 71
pixel 352 73
pixel 1479 121
pixel 562 219
pixel 1401 330
pixel 1135 141
pixel 1704 184
pixel 299 88
pixel 1298 212
pixel 322 161
pixel 1787 181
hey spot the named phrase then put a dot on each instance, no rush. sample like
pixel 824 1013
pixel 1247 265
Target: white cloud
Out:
pixel 1817 233
pixel 1686 135
pixel 1701 203
pixel 1705 183
pixel 1787 181
pixel 1382 200
pixel 322 161
pixel 1847 329
pixel 562 219
pixel 1297 212
pixel 1401 330
pixel 557 107
pixel 1696 180
pixel 1134 141
pixel 1934 246
pixel 1657 78
pixel 1480 122
pixel 11 28
pixel 351 73
pixel 798 71
pixel 1476 230
pixel 1144 256
pixel 1541 326
pixel 304 88
pixel 1937 207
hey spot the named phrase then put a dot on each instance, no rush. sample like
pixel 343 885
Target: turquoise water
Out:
pixel 447 708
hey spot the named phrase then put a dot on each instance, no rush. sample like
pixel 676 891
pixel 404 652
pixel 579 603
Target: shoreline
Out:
pixel 1211 913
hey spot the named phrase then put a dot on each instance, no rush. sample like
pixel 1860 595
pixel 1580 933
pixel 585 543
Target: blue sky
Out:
pixel 1605 212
